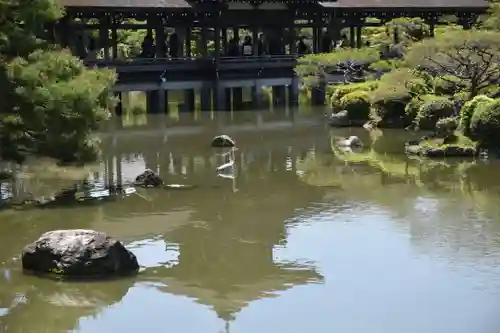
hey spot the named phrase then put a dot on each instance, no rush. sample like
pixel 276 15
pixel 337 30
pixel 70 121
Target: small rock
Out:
pixel 339 119
pixel 223 141
pixel 149 178
pixel 78 253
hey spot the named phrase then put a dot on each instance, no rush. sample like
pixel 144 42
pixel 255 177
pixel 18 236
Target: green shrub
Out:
pixel 432 110
pixel 468 110
pixel 343 90
pixel 357 105
pixel 447 125
pixel 413 107
pixel 389 102
pixel 485 123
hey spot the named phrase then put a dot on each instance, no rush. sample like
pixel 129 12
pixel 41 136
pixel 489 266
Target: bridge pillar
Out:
pixel 205 99
pixel 119 104
pixel 189 104
pixel 237 99
pixel 318 97
pixel 257 96
pixel 155 101
pixel 293 92
pixel 219 97
pixel 279 95
pixel 228 99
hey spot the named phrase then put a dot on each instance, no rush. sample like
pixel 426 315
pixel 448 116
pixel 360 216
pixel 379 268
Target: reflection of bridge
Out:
pixel 160 75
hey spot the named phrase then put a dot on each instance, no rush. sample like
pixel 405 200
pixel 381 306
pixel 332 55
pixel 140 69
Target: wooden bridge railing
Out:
pixel 188 63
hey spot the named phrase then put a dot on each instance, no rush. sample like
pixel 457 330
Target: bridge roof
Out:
pixel 146 3
pixel 412 4
pixel 126 3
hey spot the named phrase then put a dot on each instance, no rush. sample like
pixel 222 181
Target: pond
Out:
pixel 301 237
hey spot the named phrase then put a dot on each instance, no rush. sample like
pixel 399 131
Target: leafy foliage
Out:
pixel 468 110
pixel 50 101
pixel 485 123
pixel 471 57
pixel 342 90
pixel 432 110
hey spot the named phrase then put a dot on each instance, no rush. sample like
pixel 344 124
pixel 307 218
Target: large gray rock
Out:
pixel 78 253
pixel 223 141
pixel 149 178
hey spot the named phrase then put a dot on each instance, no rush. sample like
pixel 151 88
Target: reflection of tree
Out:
pixel 446 204
pixel 54 307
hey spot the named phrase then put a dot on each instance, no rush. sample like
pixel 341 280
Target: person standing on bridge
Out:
pixel 174 45
pixel 247 47
pixel 148 46
pixel 233 48
pixel 302 47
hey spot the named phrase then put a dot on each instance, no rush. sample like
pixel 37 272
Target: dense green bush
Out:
pixel 357 105
pixel 432 110
pixel 468 110
pixel 413 107
pixel 58 102
pixel 342 90
pixel 485 123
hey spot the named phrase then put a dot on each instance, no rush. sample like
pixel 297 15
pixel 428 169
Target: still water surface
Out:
pixel 301 238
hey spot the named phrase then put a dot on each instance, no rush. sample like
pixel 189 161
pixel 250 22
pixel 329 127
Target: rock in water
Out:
pixel 78 253
pixel 149 178
pixel 223 141
pixel 339 119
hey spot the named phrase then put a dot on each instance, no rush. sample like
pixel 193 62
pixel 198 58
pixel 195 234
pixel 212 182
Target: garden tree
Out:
pixel 50 102
pixel 471 57
pixel 492 22
pixel 408 29
pixel 314 66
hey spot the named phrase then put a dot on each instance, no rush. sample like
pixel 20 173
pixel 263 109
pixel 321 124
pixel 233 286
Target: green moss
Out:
pixel 357 105
pixel 341 90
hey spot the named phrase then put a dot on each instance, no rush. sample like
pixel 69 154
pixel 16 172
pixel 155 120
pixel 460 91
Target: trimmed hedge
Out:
pixel 432 110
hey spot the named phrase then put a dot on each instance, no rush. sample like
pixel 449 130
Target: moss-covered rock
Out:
pixel 450 146
pixel 341 90
pixel 357 105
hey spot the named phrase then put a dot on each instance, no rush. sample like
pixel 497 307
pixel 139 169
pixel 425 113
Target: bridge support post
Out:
pixel 219 97
pixel 257 95
pixel 237 99
pixel 279 96
pixel 293 93
pixel 189 104
pixel 318 94
pixel 228 99
pixel 205 99
pixel 119 104
pixel 154 102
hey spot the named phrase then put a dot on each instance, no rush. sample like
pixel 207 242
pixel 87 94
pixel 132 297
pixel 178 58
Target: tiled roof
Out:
pixel 357 4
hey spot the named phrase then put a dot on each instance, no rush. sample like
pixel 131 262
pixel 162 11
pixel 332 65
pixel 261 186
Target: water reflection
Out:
pixel 345 239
